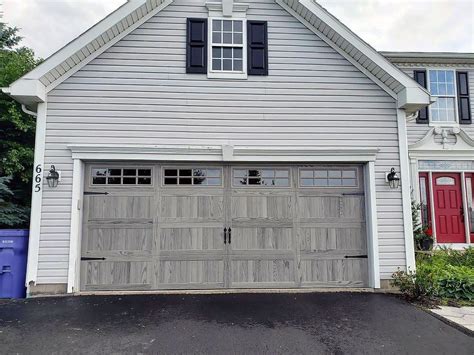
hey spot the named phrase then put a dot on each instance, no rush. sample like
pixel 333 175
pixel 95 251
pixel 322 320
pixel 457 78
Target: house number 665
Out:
pixel 38 178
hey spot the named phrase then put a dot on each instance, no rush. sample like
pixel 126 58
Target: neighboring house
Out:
pixel 208 145
pixel 441 144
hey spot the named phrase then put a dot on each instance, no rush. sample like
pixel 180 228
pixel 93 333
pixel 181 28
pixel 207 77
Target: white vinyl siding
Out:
pixel 137 92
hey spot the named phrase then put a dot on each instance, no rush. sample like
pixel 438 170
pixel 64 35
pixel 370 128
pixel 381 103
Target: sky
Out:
pixel 387 25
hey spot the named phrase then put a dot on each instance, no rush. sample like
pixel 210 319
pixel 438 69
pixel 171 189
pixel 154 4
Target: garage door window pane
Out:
pixel 318 177
pixel 129 180
pixel 99 172
pixel 171 181
pixel 116 176
pixel 169 172
pixel 99 180
pixel 186 172
pixel 185 181
pixel 114 181
pixel 115 172
pixel 144 172
pixel 129 172
pixel 144 181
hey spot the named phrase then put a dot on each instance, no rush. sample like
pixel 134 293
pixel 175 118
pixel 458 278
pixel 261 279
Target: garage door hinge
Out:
pixel 91 259
pixel 356 257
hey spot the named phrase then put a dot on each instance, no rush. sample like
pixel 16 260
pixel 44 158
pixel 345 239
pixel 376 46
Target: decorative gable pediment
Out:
pixel 442 141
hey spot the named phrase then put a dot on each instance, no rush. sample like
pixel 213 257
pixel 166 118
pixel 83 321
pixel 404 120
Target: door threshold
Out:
pixel 231 291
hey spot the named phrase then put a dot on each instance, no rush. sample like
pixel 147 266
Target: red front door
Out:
pixel 448 208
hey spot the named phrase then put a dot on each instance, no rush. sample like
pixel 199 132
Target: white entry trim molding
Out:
pixel 224 153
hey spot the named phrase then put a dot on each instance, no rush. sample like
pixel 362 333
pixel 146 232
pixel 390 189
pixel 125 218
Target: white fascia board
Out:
pixel 416 91
pixel 83 40
pixel 27 91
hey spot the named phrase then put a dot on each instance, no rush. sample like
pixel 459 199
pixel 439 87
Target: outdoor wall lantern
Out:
pixel 393 179
pixel 53 177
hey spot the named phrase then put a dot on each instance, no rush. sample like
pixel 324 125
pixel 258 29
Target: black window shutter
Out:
pixel 257 43
pixel 420 78
pixel 196 46
pixel 464 106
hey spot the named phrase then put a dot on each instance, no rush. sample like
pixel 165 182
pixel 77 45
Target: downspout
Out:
pixel 28 112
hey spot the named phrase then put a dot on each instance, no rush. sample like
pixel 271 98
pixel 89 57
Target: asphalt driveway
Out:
pixel 334 323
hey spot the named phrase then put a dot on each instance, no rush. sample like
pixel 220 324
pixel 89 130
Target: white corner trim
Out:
pixel 108 152
pixel 372 228
pixel 36 199
pixel 406 190
pixel 73 281
pixel 109 44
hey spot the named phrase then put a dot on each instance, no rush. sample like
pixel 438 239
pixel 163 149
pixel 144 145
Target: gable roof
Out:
pixel 33 87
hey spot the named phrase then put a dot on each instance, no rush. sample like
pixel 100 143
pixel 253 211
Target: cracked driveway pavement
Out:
pixel 317 323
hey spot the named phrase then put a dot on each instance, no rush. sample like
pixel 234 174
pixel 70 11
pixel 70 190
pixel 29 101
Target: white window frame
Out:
pixel 92 167
pixel 219 74
pixel 432 123
pixel 325 168
pixel 192 185
pixel 288 169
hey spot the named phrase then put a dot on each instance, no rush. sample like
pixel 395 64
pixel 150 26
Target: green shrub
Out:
pixel 444 273
pixel 414 286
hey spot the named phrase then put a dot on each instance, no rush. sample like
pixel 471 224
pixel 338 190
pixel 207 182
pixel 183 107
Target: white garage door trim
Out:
pixel 83 153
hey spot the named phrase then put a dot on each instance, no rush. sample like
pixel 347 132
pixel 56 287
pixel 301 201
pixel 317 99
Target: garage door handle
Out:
pixel 230 236
pixel 95 193
pixel 225 235
pixel 356 257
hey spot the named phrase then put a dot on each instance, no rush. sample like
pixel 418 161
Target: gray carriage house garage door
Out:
pixel 152 226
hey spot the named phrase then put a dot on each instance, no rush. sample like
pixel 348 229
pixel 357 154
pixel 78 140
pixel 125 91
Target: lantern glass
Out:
pixel 393 179
pixel 53 177
pixel 52 182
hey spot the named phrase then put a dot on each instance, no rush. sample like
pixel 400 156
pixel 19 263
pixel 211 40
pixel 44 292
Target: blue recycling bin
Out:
pixel 13 256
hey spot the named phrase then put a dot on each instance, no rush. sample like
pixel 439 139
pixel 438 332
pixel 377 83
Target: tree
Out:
pixel 17 129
